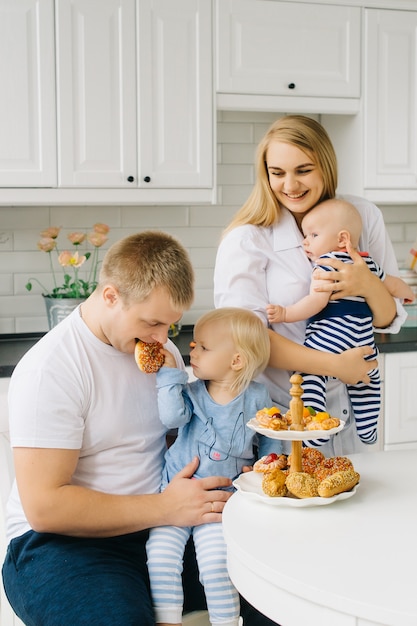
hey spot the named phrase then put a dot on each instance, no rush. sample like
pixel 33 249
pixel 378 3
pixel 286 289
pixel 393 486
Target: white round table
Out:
pixel 350 563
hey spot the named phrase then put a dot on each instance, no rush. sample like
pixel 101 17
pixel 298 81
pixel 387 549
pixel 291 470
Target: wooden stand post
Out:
pixel 296 408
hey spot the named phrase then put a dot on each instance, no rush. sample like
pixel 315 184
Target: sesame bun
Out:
pixel 148 356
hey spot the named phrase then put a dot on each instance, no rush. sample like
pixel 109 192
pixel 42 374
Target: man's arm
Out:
pixel 53 504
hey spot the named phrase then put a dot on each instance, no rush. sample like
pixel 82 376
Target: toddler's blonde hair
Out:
pixel 250 337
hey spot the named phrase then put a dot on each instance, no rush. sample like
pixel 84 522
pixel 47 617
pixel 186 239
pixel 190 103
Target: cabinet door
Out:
pixel 96 73
pixel 390 100
pixel 175 93
pixel 400 405
pixel 283 48
pixel 27 100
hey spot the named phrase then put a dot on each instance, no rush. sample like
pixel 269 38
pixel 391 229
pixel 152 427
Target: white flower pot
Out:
pixel 58 308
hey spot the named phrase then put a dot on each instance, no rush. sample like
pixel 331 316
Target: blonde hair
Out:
pixel 250 337
pixel 262 207
pixel 141 262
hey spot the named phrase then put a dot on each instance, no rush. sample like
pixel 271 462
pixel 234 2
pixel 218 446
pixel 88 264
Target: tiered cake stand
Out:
pixel 249 483
pixel 297 409
pixel 296 434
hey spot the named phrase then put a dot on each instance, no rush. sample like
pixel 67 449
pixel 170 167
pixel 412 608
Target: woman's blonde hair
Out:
pixel 262 207
pixel 250 337
pixel 144 261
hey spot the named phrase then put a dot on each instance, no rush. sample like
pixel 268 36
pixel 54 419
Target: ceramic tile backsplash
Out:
pixel 198 227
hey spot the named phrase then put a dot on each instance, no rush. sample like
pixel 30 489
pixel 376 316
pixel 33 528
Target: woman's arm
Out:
pixel 349 366
pixel 356 279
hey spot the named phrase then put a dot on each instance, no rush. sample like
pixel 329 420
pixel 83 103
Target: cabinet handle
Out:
pixel 130 179
pixel 147 179
pixel 291 86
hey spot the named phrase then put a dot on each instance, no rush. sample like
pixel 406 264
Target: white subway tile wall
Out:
pixel 198 227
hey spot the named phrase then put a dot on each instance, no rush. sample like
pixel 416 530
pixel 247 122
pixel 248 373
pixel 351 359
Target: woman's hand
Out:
pixel 356 279
pixel 351 366
pixel 348 279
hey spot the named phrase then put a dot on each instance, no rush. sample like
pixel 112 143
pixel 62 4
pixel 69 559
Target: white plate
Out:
pixel 250 485
pixel 293 435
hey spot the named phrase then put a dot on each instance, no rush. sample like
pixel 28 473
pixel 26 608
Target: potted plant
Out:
pixel 66 295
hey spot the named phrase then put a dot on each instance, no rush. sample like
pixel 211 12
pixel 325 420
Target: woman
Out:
pixel 261 260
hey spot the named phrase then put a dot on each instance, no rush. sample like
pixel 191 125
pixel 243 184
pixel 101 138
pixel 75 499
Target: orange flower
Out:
pixel 46 244
pixel 74 284
pixel 97 239
pixel 76 238
pixel 52 232
pixel 101 228
pixel 68 259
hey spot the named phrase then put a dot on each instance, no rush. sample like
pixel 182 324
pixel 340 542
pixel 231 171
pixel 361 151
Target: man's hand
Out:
pixel 191 502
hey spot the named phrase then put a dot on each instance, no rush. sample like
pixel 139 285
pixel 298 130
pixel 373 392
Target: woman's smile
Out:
pixel 294 177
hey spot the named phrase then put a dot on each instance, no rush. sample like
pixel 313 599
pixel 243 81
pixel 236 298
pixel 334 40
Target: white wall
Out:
pixel 198 227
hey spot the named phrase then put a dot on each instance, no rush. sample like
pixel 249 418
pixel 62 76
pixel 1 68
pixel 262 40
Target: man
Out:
pixel 89 446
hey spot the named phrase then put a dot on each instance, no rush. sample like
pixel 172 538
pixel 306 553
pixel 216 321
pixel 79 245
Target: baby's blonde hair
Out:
pixel 250 337
pixel 343 215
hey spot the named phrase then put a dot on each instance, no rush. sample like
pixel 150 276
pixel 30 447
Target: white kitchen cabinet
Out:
pixel 175 82
pixel 27 101
pixel 134 102
pixel 294 51
pixel 400 408
pixel 102 93
pixel 96 92
pixel 390 105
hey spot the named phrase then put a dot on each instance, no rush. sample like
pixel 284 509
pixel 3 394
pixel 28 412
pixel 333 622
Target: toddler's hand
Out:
pixel 169 358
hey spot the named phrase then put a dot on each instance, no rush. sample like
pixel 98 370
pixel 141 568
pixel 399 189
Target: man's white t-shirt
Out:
pixel 75 392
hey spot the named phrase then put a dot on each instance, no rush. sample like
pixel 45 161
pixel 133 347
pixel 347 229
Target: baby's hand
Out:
pixel 275 313
pixel 169 358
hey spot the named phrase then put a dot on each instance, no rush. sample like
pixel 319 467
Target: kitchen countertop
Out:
pixel 13 347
